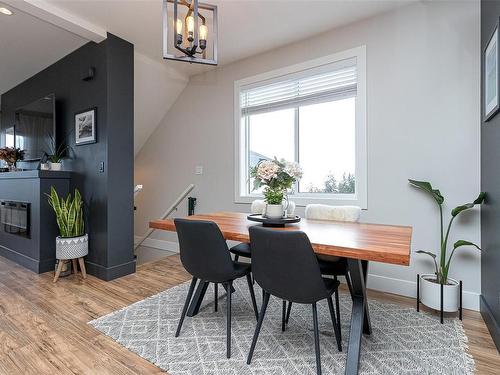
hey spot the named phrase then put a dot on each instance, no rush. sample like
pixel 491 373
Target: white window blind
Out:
pixel 328 82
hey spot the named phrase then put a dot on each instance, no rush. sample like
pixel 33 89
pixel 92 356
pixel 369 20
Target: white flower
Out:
pixel 267 170
pixel 293 169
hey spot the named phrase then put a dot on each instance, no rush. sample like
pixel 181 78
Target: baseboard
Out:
pixel 32 264
pixel 110 273
pixel 491 322
pixel 409 289
pixel 158 244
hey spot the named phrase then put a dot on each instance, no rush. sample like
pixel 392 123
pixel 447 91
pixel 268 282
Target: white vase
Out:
pixel 72 247
pixel 274 211
pixel 55 166
pixel 430 293
pixel 44 166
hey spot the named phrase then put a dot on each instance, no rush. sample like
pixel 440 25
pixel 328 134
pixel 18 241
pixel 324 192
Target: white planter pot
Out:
pixel 430 293
pixel 274 211
pixel 55 166
pixel 72 247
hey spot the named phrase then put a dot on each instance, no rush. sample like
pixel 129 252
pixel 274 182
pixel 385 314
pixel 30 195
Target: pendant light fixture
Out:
pixel 190 31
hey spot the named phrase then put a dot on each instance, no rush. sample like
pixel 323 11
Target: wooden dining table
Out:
pixel 360 243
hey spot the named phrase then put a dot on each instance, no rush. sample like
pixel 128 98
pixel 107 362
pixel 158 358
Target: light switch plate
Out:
pixel 198 170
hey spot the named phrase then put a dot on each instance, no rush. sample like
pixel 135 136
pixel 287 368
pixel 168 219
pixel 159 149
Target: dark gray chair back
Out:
pixel 203 249
pixel 284 265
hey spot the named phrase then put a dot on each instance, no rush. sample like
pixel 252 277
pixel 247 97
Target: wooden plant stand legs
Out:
pixel 59 269
pixel 82 267
pixel 75 267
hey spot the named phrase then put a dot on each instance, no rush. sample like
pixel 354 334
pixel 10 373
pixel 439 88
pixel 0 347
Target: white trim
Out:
pixel 361 196
pixel 409 289
pixel 158 244
pixel 58 17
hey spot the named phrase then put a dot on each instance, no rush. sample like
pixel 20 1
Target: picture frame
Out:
pixel 86 127
pixel 491 73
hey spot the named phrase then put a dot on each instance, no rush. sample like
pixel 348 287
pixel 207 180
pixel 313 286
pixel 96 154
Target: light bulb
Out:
pixel 203 37
pixel 190 27
pixel 6 11
pixel 178 34
pixel 203 32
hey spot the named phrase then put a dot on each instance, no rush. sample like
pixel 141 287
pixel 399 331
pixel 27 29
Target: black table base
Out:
pixel 360 316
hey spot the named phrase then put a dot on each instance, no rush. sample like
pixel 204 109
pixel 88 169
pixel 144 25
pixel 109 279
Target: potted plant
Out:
pixel 430 284
pixel 11 155
pixel 72 243
pixel 277 176
pixel 56 154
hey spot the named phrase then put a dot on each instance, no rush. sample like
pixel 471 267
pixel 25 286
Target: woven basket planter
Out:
pixel 72 247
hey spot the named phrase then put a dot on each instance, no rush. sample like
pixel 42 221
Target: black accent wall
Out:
pixel 108 193
pixel 490 182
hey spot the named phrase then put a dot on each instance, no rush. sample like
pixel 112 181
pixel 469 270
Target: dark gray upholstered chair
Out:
pixel 285 265
pixel 205 255
pixel 331 266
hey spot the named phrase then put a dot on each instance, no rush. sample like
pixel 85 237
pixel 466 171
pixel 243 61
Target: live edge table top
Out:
pixel 372 242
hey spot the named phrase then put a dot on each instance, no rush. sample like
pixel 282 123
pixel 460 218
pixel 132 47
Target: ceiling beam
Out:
pixel 50 13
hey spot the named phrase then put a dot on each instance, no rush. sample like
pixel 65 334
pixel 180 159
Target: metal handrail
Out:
pixel 171 209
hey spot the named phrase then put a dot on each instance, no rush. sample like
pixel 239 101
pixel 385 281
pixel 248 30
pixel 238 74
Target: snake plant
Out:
pixel 69 213
pixel 444 261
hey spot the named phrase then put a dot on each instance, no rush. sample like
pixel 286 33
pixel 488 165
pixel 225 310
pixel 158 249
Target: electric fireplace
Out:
pixel 15 218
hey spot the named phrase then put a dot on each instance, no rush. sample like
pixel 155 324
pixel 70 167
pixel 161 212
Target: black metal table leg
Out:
pixel 367 325
pixel 194 307
pixel 360 317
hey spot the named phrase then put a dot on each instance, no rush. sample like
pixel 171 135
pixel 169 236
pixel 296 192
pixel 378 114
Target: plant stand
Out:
pixel 71 248
pixel 441 299
pixel 74 262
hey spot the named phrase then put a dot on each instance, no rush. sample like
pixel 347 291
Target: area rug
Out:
pixel 403 341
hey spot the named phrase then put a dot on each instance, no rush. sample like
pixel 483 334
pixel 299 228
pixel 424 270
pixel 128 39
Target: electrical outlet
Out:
pixel 198 170
pixel 101 167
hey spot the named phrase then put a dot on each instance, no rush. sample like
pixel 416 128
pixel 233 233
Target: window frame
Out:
pixel 241 139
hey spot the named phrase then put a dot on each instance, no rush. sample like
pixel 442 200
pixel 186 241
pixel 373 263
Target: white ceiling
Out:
pixel 28 45
pixel 246 27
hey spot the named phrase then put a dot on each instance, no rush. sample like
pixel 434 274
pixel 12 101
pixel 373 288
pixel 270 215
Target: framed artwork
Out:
pixel 490 77
pixel 85 127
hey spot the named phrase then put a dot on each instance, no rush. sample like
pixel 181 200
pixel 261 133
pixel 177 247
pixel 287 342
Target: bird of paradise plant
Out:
pixel 444 261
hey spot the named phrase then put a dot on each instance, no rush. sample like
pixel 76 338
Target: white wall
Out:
pixel 156 87
pixel 422 119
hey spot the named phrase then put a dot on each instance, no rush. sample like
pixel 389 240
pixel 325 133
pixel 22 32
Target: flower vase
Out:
pixel 274 211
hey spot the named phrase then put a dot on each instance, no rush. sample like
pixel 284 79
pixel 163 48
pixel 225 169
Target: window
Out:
pixel 312 113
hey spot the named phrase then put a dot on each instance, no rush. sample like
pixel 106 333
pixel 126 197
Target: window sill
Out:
pixel 302 201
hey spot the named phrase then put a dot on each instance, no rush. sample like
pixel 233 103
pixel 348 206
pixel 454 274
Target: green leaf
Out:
pixel 426 252
pixel 69 213
pixel 460 243
pixel 426 186
pixel 256 184
pixel 480 198
pixel 463 207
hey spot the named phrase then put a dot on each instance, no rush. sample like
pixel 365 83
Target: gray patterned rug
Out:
pixel 403 341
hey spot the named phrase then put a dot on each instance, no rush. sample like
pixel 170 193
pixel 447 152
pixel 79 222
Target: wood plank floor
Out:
pixel 44 330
